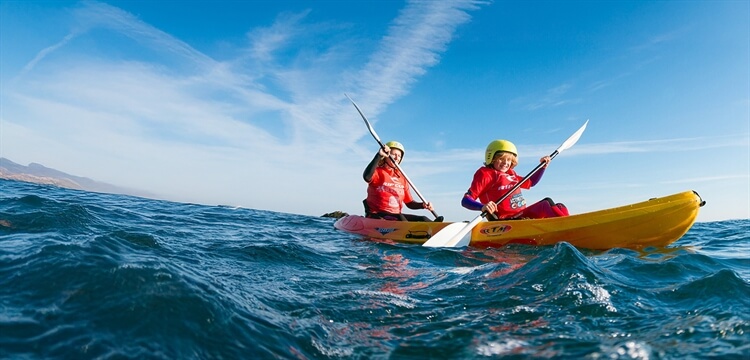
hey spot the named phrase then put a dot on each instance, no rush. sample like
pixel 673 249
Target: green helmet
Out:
pixel 498 145
pixel 396 145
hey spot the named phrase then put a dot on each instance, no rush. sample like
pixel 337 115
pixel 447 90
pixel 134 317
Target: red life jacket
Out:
pixel 387 191
pixel 490 184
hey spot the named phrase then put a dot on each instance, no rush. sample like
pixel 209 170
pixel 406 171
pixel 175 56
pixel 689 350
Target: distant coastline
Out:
pixel 40 174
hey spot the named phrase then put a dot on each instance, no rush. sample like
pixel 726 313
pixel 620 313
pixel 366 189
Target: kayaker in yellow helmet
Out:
pixel 387 188
pixel 497 176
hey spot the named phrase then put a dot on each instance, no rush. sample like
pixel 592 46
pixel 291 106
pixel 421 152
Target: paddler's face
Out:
pixel 503 162
pixel 396 154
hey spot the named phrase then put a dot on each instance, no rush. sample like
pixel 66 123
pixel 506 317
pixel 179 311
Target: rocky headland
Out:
pixel 40 174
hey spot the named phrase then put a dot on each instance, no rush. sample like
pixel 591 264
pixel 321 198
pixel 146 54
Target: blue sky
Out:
pixel 242 102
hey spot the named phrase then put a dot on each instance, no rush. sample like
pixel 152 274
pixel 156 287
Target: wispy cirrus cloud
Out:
pixel 158 105
pixel 413 43
pixel 666 145
pixel 450 161
pixel 554 97
pixel 646 146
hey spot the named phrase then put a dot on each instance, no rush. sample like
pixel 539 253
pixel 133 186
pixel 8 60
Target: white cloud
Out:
pixel 257 130
pixel 269 128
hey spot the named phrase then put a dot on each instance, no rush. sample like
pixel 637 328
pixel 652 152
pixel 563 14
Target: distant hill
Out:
pixel 40 174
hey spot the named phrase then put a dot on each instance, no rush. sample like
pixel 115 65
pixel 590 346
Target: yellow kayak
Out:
pixel 655 222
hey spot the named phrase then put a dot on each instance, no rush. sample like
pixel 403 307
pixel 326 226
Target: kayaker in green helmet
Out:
pixel 387 189
pixel 497 176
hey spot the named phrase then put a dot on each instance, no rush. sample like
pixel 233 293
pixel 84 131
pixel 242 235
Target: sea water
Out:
pixel 99 276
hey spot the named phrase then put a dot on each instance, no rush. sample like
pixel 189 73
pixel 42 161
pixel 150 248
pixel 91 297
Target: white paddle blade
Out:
pixel 364 118
pixel 463 239
pixel 459 242
pixel 454 235
pixel 573 139
pixel 445 235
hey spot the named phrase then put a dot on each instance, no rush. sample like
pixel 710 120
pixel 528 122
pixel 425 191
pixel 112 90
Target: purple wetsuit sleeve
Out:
pixel 470 203
pixel 534 179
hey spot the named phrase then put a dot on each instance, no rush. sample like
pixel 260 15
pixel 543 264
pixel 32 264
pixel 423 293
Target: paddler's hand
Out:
pixel 384 151
pixel 545 160
pixel 427 205
pixel 489 207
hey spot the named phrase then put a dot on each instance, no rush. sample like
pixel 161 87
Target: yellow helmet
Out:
pixel 396 145
pixel 498 145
